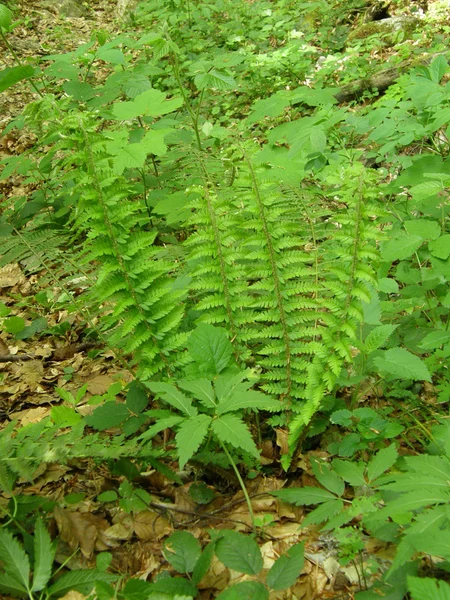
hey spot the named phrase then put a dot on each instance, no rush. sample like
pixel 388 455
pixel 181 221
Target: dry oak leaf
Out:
pixel 149 525
pixel 82 530
pixel 100 384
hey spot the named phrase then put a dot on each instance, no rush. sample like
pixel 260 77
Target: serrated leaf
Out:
pixel 214 79
pixel 211 349
pixel 239 552
pixel 11 586
pixel 378 337
pixel 434 339
pixel 112 55
pixel 323 513
pixel 108 415
pixel 437 70
pixel 203 563
pixel 400 247
pixel 381 462
pixel 287 568
pixel 44 554
pixel 182 550
pixel 351 472
pixel 425 587
pixel 173 586
pixel 80 580
pixel 269 107
pixel 231 430
pixel 426 229
pixel 202 390
pixel 170 394
pixel 327 477
pixel 233 396
pixel 137 398
pixel 440 248
pixel 190 436
pixel 14 559
pixel 402 364
pixel 65 416
pixel 160 425
pixel 152 103
pixel 304 496
pixel 414 500
pixel 245 590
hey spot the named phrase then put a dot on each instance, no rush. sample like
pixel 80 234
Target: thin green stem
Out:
pixel 242 484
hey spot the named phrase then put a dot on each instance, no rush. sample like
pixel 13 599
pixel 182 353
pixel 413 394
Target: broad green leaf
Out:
pixel 400 247
pixel 426 189
pixel 5 17
pixel 269 107
pixel 214 79
pixel 12 75
pixel 83 581
pixel 388 285
pixel 436 545
pixel 152 103
pixel 202 390
pixel 112 55
pixel 239 552
pixel 287 568
pixel 304 496
pixel 425 587
pixel 14 560
pixel 438 466
pixel 137 398
pixel 160 425
pixel 440 248
pixel 435 339
pixel 402 364
pixel 153 141
pixel 327 477
pixel 438 68
pixel 174 587
pixel 174 397
pixel 378 337
pixel 14 324
pixel 381 462
pixel 426 229
pixel 203 563
pixel 108 415
pixel 65 416
pixel 211 349
pixel 323 513
pixel 233 395
pixel 44 553
pixel 79 90
pixel 190 436
pixel 182 550
pixel 351 472
pixel 231 430
pixel 245 590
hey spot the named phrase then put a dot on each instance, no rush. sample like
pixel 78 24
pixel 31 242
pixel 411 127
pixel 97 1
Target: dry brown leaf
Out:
pixel 11 275
pixel 31 372
pixel 32 415
pixel 81 530
pixel 149 525
pixel 217 576
pixel 73 595
pixel 3 347
pixel 119 531
pixel 99 384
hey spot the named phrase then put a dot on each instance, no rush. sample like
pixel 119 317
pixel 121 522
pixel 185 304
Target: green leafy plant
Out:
pixel 37 582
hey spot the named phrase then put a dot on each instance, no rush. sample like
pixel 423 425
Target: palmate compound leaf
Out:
pixel 304 496
pixel 170 394
pixel 182 550
pixel 402 364
pixel 233 395
pixel 80 580
pixel 286 569
pixel 15 563
pixel 44 553
pixel 202 390
pixel 231 430
pixel 327 477
pixel 152 103
pixel 239 552
pixel 190 436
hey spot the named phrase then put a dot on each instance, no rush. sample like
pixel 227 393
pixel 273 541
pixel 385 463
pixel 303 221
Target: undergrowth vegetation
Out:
pixel 265 264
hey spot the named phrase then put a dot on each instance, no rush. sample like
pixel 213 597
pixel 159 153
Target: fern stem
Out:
pixel 275 275
pixel 242 484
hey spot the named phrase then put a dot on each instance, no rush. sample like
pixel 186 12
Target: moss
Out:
pixel 387 29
